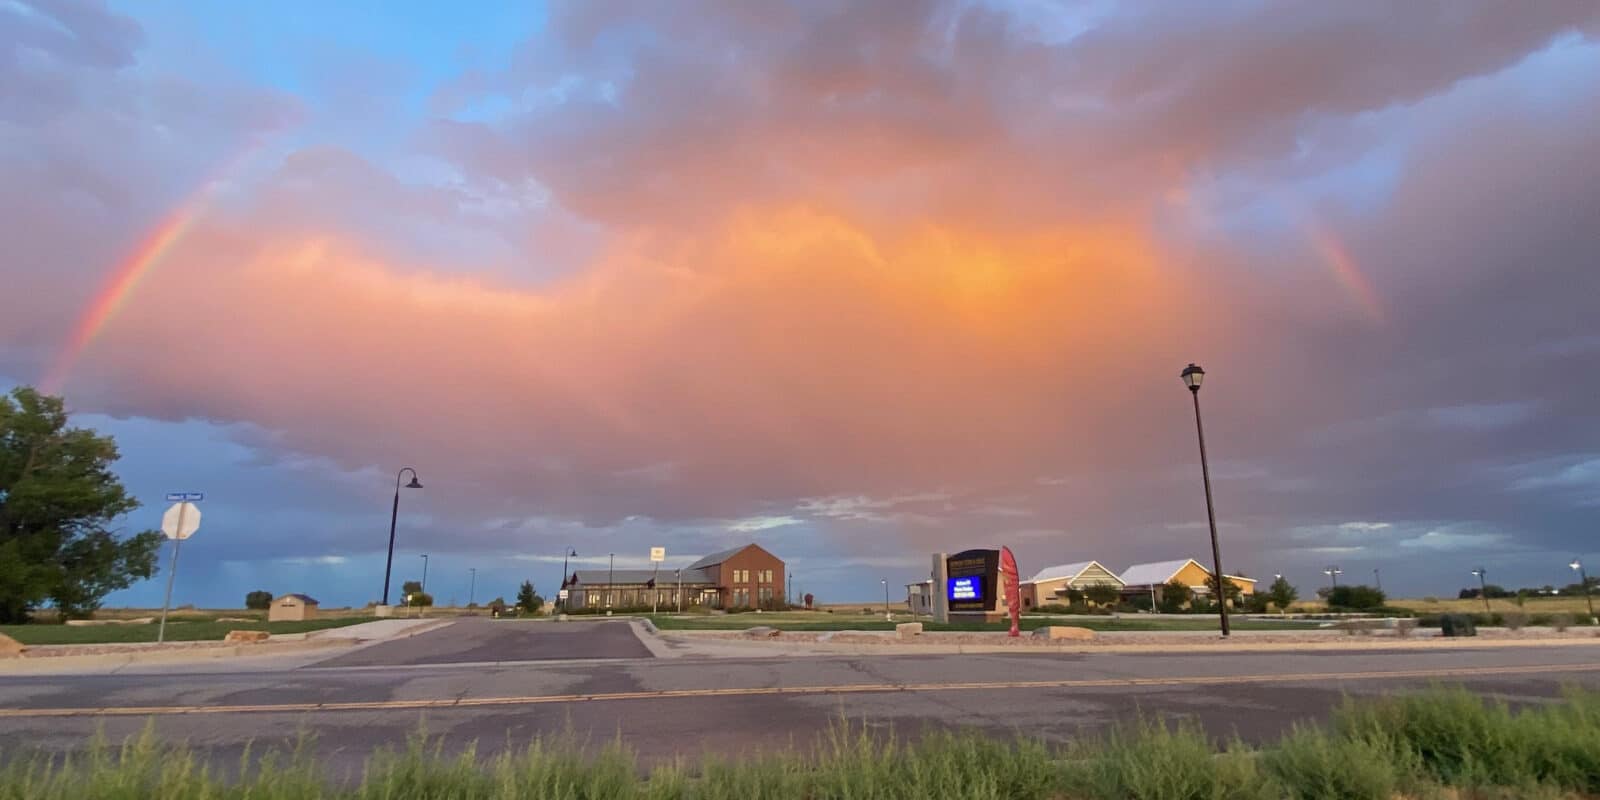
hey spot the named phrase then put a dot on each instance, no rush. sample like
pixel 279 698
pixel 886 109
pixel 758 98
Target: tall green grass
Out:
pixel 1441 743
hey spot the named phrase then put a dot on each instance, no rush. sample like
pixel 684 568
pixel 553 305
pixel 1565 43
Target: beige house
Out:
pixel 292 608
pixel 1050 584
pixel 1150 578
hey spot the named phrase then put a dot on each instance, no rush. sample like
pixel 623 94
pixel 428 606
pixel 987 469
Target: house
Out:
pixel 292 608
pixel 740 577
pixel 1050 584
pixel 1148 579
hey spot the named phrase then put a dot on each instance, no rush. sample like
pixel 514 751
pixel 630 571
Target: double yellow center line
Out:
pixel 860 688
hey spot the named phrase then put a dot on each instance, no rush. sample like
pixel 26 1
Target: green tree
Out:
pixel 1102 594
pixel 527 600
pixel 258 600
pixel 1174 596
pixel 58 499
pixel 1230 589
pixel 1074 596
pixel 1282 593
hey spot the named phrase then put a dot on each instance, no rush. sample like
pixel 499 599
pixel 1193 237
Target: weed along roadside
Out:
pixel 1439 743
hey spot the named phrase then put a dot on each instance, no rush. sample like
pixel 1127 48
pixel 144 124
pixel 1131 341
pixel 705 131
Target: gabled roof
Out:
pixel 629 577
pixel 723 555
pixel 304 598
pixel 1157 573
pixel 1069 571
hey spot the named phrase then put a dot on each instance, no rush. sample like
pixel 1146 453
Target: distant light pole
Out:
pixel 788 598
pixel 611 580
pixel 1192 376
pixel 394 514
pixel 1377 577
pixel 1588 596
pixel 424 573
pixel 1333 572
pixel 1483 587
pixel 565 554
pixel 886 615
pixel 679 571
pixel 472 588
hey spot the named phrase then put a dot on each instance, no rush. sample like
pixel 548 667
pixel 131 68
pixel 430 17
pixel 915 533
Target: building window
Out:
pixel 766 594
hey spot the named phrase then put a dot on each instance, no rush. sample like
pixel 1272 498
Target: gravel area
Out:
pixel 53 650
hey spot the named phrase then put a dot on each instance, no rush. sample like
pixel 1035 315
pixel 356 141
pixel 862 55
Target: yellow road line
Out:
pixel 1094 683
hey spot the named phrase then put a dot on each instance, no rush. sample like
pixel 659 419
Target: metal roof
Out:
pixel 601 577
pixel 1067 571
pixel 304 598
pixel 1157 572
pixel 718 557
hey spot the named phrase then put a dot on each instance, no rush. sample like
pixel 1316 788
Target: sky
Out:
pixel 858 282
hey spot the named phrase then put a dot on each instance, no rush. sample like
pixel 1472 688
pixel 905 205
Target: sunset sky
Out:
pixel 855 281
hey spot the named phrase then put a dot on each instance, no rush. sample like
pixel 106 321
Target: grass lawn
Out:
pixel 1573 604
pixel 1436 744
pixel 813 621
pixel 178 630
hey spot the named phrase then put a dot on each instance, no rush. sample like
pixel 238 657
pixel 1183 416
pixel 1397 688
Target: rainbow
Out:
pixel 1345 270
pixel 132 269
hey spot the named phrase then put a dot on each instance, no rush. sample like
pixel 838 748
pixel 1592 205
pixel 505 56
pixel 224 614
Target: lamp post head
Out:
pixel 1576 565
pixel 1478 573
pixel 414 484
pixel 1192 376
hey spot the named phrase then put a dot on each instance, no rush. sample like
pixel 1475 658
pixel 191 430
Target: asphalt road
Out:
pixel 685 706
pixel 480 640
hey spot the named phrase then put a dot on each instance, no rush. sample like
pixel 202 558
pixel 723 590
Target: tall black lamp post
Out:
pixel 565 576
pixel 1588 594
pixel 394 514
pixel 1192 376
pixel 1483 587
pixel 1333 574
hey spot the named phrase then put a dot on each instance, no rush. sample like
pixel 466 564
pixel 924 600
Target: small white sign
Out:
pixel 658 554
pixel 181 521
pixel 561 595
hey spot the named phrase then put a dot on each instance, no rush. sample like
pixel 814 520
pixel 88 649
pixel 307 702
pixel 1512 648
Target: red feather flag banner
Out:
pixel 1013 583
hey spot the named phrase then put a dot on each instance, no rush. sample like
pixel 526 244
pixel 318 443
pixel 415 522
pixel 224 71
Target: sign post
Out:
pixel 180 522
pixel 657 555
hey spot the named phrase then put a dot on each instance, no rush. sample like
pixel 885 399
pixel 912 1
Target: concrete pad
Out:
pixel 907 630
pixel 1064 632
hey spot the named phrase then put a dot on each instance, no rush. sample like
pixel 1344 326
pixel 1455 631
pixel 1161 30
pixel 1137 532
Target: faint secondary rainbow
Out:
pixel 132 269
pixel 1346 271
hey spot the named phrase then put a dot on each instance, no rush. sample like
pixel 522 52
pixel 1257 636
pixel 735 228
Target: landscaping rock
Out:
pixel 762 631
pixel 1064 633
pixel 908 630
pixel 246 637
pixel 10 648
pixel 79 623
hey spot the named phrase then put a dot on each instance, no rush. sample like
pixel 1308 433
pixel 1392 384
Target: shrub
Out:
pixel 1515 620
pixel 1561 622
pixel 258 600
pixel 1458 625
pixel 1357 597
pixel 1317 765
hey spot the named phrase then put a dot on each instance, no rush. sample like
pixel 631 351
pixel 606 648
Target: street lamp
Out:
pixel 472 588
pixel 1583 578
pixel 1483 587
pixel 1377 578
pixel 394 514
pixel 424 573
pixel 611 580
pixel 1192 376
pixel 1333 573
pixel 565 554
pixel 886 615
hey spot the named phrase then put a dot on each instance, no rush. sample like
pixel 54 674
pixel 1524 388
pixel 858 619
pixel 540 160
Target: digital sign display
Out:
pixel 966 588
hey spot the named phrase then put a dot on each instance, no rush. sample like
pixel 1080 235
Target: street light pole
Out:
pixel 472 588
pixel 1192 376
pixel 680 589
pixel 565 553
pixel 886 615
pixel 1378 578
pixel 1483 588
pixel 394 514
pixel 424 573
pixel 1588 596
pixel 1333 573
pixel 611 580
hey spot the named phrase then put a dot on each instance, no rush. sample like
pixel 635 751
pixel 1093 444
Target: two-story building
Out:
pixel 741 577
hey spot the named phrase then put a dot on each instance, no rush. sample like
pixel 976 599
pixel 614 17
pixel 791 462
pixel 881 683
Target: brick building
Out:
pixel 743 577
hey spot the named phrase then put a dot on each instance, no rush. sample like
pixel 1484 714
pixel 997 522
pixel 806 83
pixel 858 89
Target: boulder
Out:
pixel 1064 633
pixel 10 648
pixel 246 637
pixel 762 631
pixel 908 630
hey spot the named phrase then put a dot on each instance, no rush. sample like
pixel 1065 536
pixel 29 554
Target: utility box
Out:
pixel 1458 625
